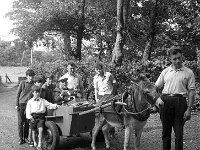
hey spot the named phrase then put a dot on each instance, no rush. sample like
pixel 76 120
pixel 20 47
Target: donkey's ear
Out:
pixel 125 95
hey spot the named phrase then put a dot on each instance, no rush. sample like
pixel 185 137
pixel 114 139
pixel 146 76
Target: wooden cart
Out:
pixel 66 121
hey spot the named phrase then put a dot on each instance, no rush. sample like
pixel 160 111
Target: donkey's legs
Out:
pixel 138 133
pixel 99 123
pixel 106 128
pixel 127 137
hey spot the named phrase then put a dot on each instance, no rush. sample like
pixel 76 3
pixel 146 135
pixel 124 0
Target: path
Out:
pixel 151 137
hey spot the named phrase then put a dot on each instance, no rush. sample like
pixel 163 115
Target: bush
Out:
pixel 126 74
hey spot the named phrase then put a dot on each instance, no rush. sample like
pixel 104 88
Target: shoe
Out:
pixel 21 141
pixel 107 148
pixel 39 148
pixel 31 144
pixel 26 141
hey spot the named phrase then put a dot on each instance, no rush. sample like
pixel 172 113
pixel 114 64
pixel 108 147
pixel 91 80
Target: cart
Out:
pixel 66 121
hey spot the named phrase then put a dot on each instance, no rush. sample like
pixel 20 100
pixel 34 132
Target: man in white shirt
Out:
pixel 104 83
pixel 35 112
pixel 74 81
pixel 178 84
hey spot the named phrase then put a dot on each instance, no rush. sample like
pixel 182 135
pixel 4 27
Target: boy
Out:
pixel 49 87
pixel 35 111
pixel 105 85
pixel 24 93
pixel 38 81
pixel 61 93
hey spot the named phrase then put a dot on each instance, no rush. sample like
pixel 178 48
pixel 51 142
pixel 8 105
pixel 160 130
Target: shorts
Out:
pixel 37 121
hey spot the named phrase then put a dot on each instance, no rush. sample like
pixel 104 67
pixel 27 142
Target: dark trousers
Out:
pixel 171 116
pixel 23 126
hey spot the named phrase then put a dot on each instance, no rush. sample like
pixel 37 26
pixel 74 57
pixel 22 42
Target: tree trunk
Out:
pixel 67 46
pixel 80 31
pixel 22 59
pixel 122 13
pixel 151 37
pixel 80 34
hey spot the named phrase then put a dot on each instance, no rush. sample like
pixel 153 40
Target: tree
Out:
pixel 122 14
pixel 34 18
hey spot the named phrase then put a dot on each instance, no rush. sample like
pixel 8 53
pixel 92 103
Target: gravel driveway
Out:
pixel 151 137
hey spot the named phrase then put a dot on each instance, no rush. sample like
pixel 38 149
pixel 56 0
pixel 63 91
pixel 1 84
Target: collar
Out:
pixel 172 68
pixel 29 82
pixel 72 75
pixel 36 99
pixel 104 75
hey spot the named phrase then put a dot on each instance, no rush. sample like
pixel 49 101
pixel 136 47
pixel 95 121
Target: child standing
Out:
pixel 35 111
pixel 49 87
pixel 24 93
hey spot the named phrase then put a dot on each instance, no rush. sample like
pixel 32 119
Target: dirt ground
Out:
pixel 151 137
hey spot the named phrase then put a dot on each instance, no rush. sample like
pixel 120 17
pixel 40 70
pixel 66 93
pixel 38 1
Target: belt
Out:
pixel 37 115
pixel 173 95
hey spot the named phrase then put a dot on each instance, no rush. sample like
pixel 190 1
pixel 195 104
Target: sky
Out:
pixel 5 24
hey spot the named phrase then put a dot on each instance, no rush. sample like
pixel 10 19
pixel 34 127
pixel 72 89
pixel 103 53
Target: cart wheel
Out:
pixel 51 136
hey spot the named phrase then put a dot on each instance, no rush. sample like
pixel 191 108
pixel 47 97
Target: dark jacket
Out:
pixel 24 92
pixel 49 92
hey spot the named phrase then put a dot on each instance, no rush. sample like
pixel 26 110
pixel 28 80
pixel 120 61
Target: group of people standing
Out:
pixel 176 83
pixel 33 97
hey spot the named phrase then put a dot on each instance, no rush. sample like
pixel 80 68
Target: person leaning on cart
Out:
pixel 35 112
pixel 61 93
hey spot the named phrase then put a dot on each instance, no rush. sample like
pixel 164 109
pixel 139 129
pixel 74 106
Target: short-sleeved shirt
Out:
pixel 177 81
pixel 104 84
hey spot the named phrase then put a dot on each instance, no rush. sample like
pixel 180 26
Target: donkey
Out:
pixel 132 116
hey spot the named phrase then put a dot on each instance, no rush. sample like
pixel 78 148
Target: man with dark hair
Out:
pixel 24 93
pixel 38 81
pixel 49 87
pixel 177 83
pixel 104 83
pixel 74 81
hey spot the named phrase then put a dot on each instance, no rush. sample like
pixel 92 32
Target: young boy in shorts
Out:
pixel 38 81
pixel 35 112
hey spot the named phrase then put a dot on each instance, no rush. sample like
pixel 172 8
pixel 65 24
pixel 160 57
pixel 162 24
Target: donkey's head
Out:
pixel 148 91
pixel 144 91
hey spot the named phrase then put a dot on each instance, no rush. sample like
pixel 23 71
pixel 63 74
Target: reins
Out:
pixel 137 113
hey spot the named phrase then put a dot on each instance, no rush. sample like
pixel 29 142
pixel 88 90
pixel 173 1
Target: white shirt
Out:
pixel 73 82
pixel 176 81
pixel 38 106
pixel 104 85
